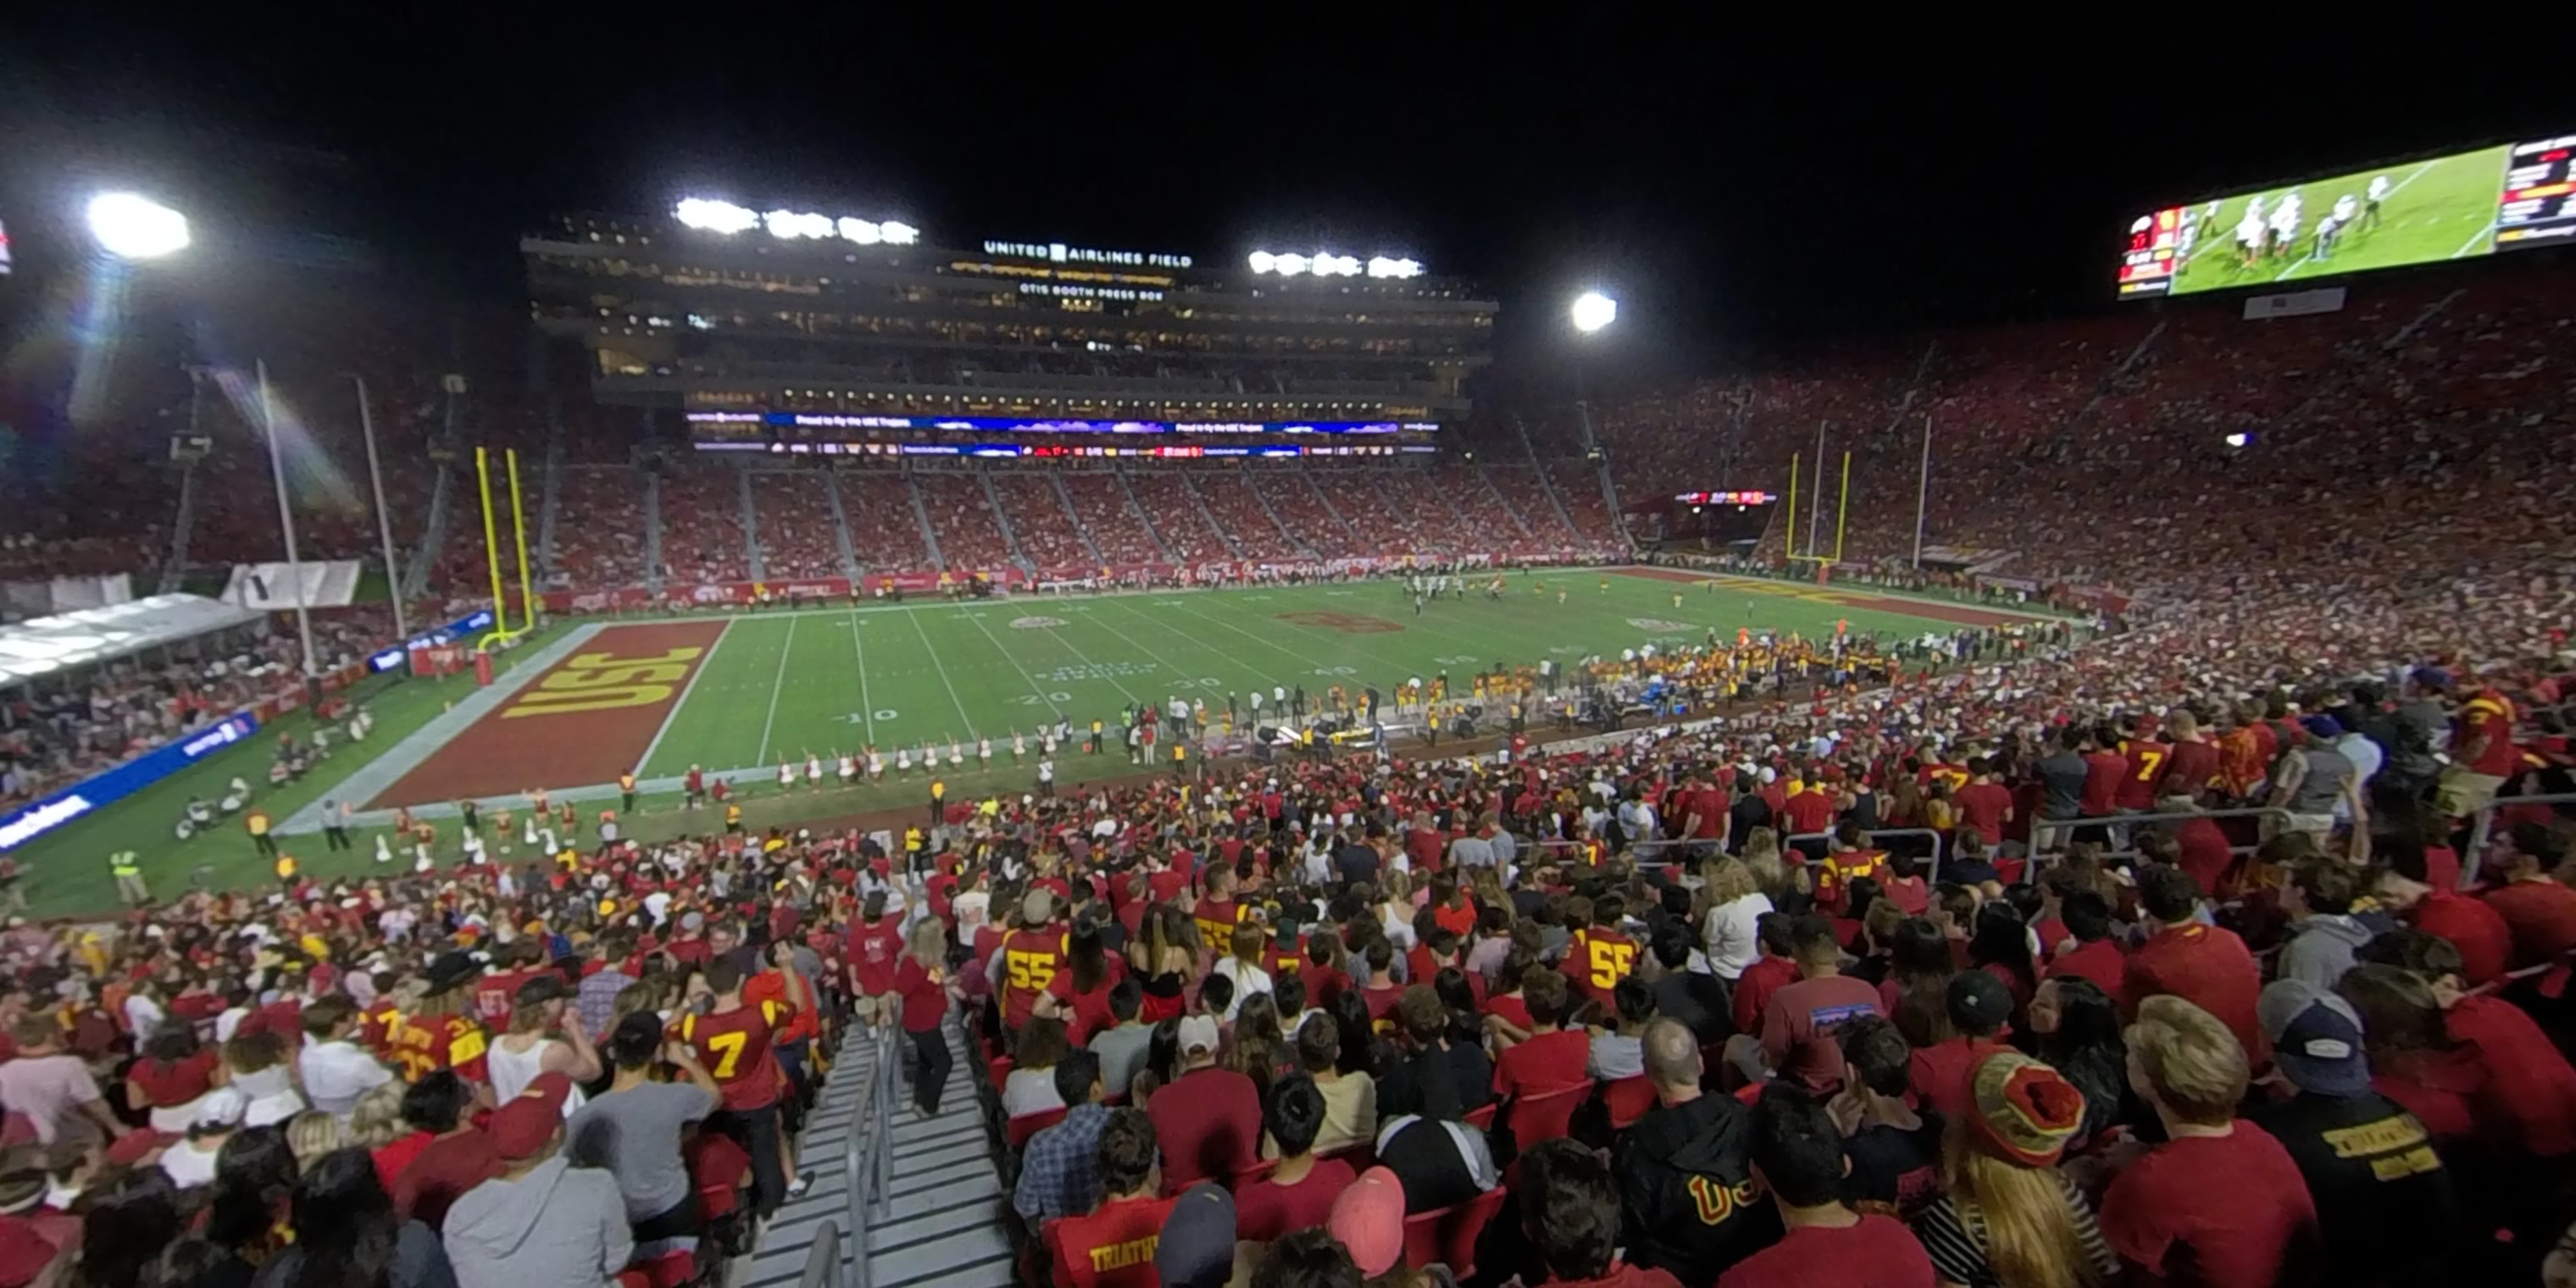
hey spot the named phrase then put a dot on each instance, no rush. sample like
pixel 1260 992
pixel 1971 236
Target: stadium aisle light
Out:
pixel 1593 311
pixel 135 227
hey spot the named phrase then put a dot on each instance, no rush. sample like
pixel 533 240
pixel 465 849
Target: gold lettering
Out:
pixel 2397 1167
pixel 2376 1138
pixel 542 704
pixel 1118 1256
pixel 613 676
pixel 605 682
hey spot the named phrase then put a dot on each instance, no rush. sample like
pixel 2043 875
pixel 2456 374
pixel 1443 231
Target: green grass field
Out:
pixel 2440 209
pixel 779 685
pixel 66 869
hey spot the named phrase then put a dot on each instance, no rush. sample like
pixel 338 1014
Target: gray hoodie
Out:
pixel 2321 948
pixel 558 1225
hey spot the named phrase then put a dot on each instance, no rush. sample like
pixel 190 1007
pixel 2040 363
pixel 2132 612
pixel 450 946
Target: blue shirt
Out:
pixel 1060 1169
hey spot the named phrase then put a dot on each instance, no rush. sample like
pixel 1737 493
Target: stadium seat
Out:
pixel 1481 1117
pixel 999 1070
pixel 1545 1115
pixel 1021 1127
pixel 1628 1100
pixel 1448 1235
pixel 670 1270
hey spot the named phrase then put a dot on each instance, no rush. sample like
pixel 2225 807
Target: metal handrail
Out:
pixel 853 1173
pixel 1789 844
pixel 2041 826
pixel 2482 828
pixel 823 1263
pixel 881 1186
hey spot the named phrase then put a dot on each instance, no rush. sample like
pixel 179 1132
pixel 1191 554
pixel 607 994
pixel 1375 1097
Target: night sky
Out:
pixel 1732 186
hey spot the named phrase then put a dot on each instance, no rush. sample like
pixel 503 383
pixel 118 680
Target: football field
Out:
pixel 738 693
pixel 2436 210
pixel 737 696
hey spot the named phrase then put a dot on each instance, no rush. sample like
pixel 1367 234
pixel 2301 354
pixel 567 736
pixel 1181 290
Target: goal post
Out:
pixel 1842 515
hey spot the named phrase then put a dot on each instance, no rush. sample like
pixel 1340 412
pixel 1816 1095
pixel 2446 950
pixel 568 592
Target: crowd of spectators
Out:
pixel 1249 526
pixel 798 536
pixel 1312 524
pixel 970 537
pixel 1172 507
pixel 1113 522
pixel 884 529
pixel 599 535
pixel 702 526
pixel 1048 533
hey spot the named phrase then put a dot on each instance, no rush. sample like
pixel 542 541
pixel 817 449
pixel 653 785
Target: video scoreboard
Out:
pixel 2466 205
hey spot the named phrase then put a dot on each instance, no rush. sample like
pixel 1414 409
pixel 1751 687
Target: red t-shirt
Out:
pixel 1938 1074
pixel 2478 931
pixel 925 1003
pixel 1208 1124
pixel 2531 1085
pixel 496 993
pixel 1801 1022
pixel 1086 1013
pixel 1217 919
pixel 2210 1210
pixel 2204 854
pixel 442 1172
pixel 2103 771
pixel 1113 1247
pixel 172 1085
pixel 390 1160
pixel 1809 811
pixel 2101 962
pixel 2209 968
pixel 1983 807
pixel 1753 990
pixel 734 1046
pixel 1381 1006
pixel 1265 1209
pixel 872 952
pixel 443 1042
pixel 2194 766
pixel 1879 1252
pixel 2541 916
pixel 1547 1062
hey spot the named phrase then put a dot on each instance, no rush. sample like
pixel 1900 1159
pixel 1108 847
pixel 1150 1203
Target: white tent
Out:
pixel 47 645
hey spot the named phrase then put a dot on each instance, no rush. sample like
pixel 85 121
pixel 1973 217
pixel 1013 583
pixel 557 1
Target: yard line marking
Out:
pixel 978 619
pixel 1055 633
pixel 867 705
pixel 942 668
pixel 776 686
pixel 2473 239
pixel 705 664
pixel 1183 677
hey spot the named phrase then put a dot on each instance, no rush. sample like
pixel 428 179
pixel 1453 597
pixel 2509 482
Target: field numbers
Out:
pixel 1337 670
pixel 862 717
pixel 1041 699
pixel 1455 659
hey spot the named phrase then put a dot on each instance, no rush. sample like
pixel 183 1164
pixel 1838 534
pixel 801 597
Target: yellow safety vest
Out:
pixel 123 864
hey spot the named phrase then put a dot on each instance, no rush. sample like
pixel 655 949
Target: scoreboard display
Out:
pixel 1725 498
pixel 2539 181
pixel 2466 205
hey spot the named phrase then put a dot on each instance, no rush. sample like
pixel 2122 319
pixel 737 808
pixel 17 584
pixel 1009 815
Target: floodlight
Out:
pixel 2239 439
pixel 1262 261
pixel 1289 265
pixel 135 227
pixel 715 216
pixel 1593 311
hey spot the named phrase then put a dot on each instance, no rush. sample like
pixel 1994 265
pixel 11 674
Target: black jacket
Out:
pixel 1686 1182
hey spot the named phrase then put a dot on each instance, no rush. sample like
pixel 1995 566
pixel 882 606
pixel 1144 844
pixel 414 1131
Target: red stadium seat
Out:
pixel 1545 1115
pixel 999 1070
pixel 670 1270
pixel 1628 1100
pixel 1481 1117
pixel 1448 1235
pixel 1021 1127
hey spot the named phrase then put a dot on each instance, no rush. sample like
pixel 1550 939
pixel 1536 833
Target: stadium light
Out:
pixel 728 218
pixel 1324 263
pixel 2239 439
pixel 1593 311
pixel 129 226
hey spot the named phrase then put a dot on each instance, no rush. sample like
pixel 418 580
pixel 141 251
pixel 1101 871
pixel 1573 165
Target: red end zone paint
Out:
pixel 1928 610
pixel 586 720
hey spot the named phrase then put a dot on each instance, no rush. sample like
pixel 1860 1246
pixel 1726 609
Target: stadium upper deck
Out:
pixel 681 312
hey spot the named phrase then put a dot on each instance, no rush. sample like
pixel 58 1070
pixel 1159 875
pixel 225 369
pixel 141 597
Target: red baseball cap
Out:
pixel 523 1128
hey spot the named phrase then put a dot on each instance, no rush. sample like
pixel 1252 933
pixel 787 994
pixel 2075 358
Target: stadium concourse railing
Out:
pixel 1787 842
pixel 2040 827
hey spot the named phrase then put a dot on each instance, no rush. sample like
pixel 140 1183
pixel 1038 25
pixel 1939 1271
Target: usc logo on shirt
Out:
pixel 1717 1202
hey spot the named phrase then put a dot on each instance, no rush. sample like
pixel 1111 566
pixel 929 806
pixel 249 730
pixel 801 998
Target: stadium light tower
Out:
pixel 1592 311
pixel 130 226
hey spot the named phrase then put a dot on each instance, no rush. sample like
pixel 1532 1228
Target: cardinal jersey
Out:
pixel 427 1044
pixel 1030 959
pixel 734 1046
